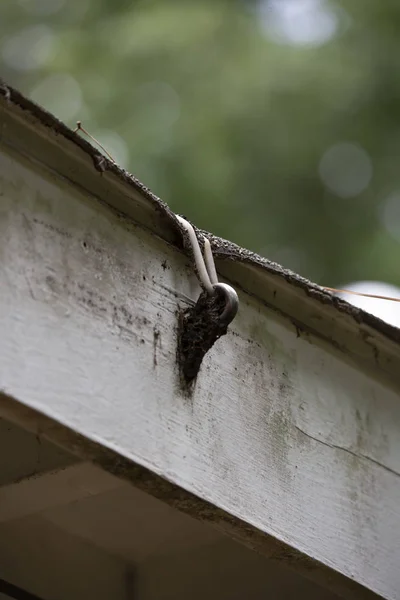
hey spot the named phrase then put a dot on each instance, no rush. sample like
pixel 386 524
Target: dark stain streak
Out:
pixel 32 295
pixel 284 385
pixel 174 292
pixel 52 228
pixel 348 451
pixel 156 344
pixel 91 246
pixel 125 333
pixel 51 282
pixel 98 304
pixel 126 314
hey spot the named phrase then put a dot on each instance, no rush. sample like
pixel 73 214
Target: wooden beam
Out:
pixel 290 436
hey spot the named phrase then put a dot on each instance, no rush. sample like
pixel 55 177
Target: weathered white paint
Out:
pixel 279 431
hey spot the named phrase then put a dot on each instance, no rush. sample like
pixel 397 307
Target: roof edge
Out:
pixel 310 308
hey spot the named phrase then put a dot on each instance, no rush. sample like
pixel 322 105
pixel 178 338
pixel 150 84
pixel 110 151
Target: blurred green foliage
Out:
pixel 274 125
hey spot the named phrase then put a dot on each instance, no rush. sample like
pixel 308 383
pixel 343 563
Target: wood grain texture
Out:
pixel 280 431
pixel 30 131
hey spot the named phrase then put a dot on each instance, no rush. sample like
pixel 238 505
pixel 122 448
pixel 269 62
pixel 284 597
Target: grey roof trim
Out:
pixel 32 131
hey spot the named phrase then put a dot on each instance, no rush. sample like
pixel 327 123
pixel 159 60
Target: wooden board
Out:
pixel 282 431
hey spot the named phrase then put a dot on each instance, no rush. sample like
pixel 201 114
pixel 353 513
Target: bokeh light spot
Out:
pixel 29 49
pixel 299 22
pixel 390 215
pixel 42 7
pixel 60 94
pixel 345 169
pixel 161 100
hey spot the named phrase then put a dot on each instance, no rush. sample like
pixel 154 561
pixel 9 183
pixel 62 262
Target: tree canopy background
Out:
pixel 274 123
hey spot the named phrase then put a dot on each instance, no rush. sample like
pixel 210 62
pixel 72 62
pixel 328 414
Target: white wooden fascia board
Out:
pixel 281 432
pixel 29 130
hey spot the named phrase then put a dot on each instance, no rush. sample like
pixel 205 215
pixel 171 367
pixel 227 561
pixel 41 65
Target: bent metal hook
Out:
pixel 208 275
